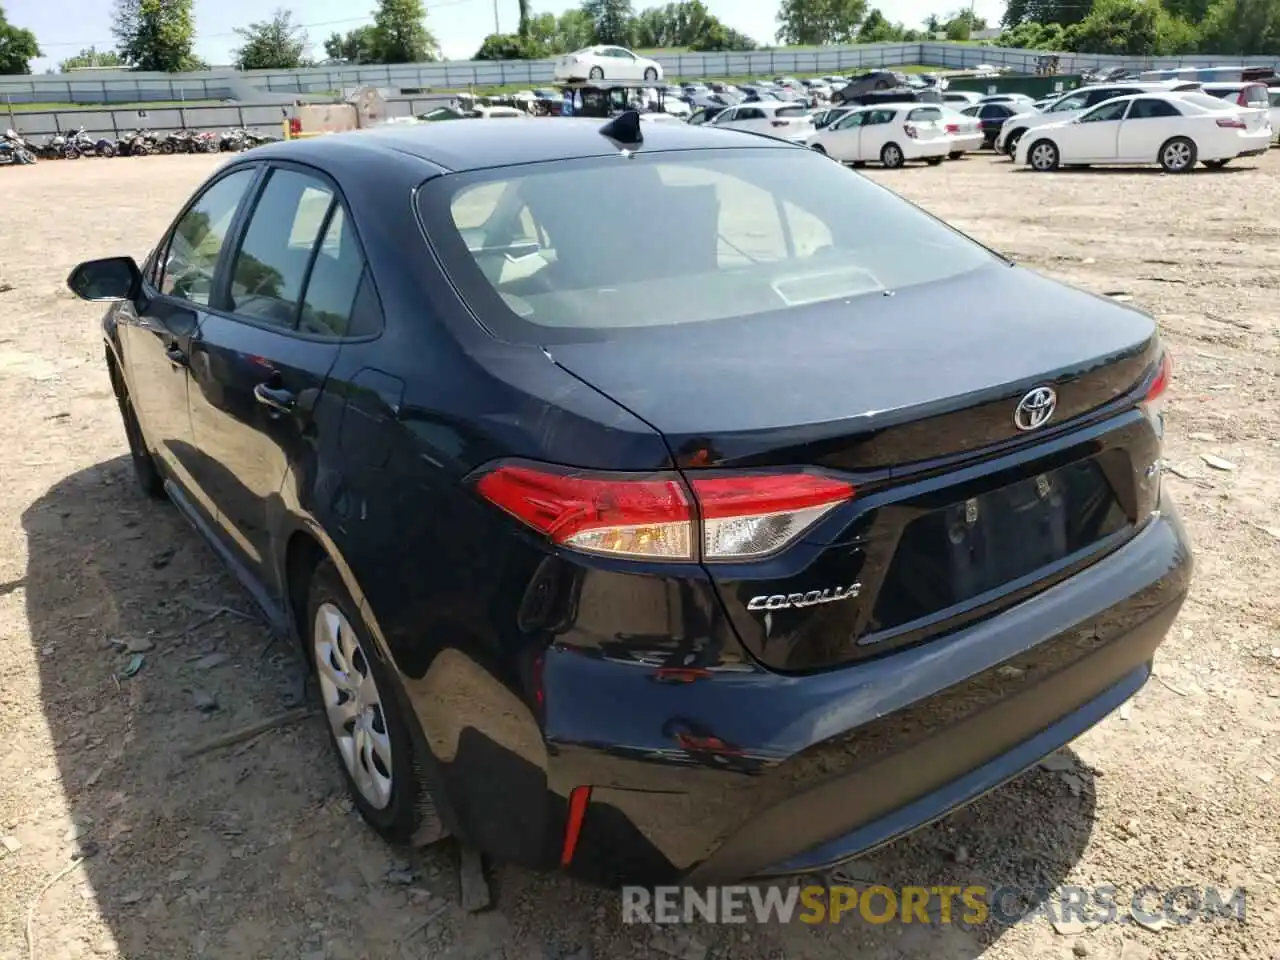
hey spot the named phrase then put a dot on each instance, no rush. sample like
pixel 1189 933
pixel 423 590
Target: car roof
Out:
pixel 1231 84
pixel 472 145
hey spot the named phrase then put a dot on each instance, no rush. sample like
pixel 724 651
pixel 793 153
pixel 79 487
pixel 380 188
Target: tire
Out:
pixel 107 151
pixel 819 148
pixel 650 74
pixel 1011 142
pixel 1043 157
pixel 392 795
pixel 595 73
pixel 891 156
pixel 1177 155
pixel 166 147
pixel 145 470
pixel 71 153
pixel 955 154
pixel 1216 164
pixel 934 161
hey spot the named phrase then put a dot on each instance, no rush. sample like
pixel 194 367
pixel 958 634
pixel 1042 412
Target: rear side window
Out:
pixel 1145 109
pixel 300 266
pixel 1273 98
pixel 761 231
pixel 271 264
pixel 1222 94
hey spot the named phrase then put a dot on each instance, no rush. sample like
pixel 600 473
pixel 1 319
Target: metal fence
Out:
pixel 128 87
pixel 112 123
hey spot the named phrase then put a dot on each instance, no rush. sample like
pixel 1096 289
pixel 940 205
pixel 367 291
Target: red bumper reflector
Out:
pixel 578 799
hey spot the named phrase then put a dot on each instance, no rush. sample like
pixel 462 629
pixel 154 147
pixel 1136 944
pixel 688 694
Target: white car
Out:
pixel 607 63
pixel 965 131
pixel 961 98
pixel 1173 130
pixel 1075 102
pixel 776 118
pixel 1273 108
pixel 499 113
pixel 890 133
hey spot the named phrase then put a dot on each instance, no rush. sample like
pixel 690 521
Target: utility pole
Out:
pixel 496 28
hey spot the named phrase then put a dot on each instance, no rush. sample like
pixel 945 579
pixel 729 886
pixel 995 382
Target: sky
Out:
pixel 64 27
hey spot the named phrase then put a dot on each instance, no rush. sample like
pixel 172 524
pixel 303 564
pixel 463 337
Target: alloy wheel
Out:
pixel 1176 156
pixel 353 705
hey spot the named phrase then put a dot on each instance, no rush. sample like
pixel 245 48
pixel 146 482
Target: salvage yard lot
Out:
pixel 253 851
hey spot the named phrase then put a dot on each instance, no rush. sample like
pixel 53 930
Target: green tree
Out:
pixel 817 22
pixel 1034 36
pixel 1065 12
pixel 611 20
pixel 574 30
pixel 275 44
pixel 354 46
pixel 510 46
pixel 962 25
pixel 686 24
pixel 17 48
pixel 1118 26
pixel 400 33
pixel 1242 28
pixel 933 24
pixel 876 28
pixel 156 34
pixel 91 57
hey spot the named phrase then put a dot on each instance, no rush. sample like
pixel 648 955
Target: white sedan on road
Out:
pixel 890 133
pixel 607 63
pixel 1173 130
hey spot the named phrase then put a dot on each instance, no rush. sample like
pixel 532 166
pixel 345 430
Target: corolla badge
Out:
pixel 788 601
pixel 1035 409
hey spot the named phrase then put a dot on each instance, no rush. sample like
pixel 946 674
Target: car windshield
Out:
pixel 587 248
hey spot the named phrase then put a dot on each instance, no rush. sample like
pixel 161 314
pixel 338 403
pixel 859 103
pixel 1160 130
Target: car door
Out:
pixel 259 365
pixel 841 139
pixel 156 332
pixel 877 129
pixel 753 119
pixel 1094 136
pixel 725 118
pixel 1145 128
pixel 622 64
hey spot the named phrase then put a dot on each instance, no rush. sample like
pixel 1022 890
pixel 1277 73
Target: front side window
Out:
pixel 1108 111
pixel 760 231
pixel 877 117
pixel 750 113
pixel 197 240
pixel 1077 101
pixel 271 265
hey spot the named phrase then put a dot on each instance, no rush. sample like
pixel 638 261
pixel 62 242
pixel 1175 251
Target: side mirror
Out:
pixel 112 278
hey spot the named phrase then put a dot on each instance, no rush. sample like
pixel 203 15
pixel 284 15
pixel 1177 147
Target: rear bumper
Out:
pixel 967 143
pixel 747 772
pixel 921 149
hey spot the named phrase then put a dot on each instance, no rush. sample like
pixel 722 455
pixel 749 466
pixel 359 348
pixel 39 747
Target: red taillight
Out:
pixel 779 123
pixel 1232 123
pixel 738 516
pixel 295 126
pixel 1153 402
pixel 578 798
pixel 953 128
pixel 1243 98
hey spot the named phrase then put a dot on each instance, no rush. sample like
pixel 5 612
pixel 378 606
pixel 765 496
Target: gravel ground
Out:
pixel 253 851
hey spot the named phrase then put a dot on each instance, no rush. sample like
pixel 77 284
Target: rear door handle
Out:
pixel 175 355
pixel 281 401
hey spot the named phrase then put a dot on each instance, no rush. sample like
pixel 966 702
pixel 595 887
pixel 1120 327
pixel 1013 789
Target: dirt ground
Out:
pixel 254 852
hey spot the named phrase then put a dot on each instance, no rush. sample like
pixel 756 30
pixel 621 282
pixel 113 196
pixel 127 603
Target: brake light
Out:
pixel 911 131
pixel 953 128
pixel 295 126
pixel 1232 123
pixel 779 123
pixel 1153 402
pixel 719 516
pixel 1243 98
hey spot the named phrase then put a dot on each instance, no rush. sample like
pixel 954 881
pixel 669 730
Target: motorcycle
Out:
pixel 79 144
pixel 205 143
pixel 105 147
pixel 13 150
pixel 137 143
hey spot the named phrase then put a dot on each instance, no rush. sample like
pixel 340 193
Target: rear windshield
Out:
pixel 796 111
pixel 584 249
pixel 1255 95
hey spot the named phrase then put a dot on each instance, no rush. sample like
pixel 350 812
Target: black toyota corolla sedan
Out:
pixel 653 502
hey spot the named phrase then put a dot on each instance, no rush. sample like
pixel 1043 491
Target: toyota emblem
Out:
pixel 1035 409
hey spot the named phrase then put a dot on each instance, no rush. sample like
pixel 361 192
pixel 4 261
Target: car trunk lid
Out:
pixel 957 508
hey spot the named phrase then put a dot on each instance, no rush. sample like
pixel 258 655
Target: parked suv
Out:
pixel 1070 105
pixel 1250 95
